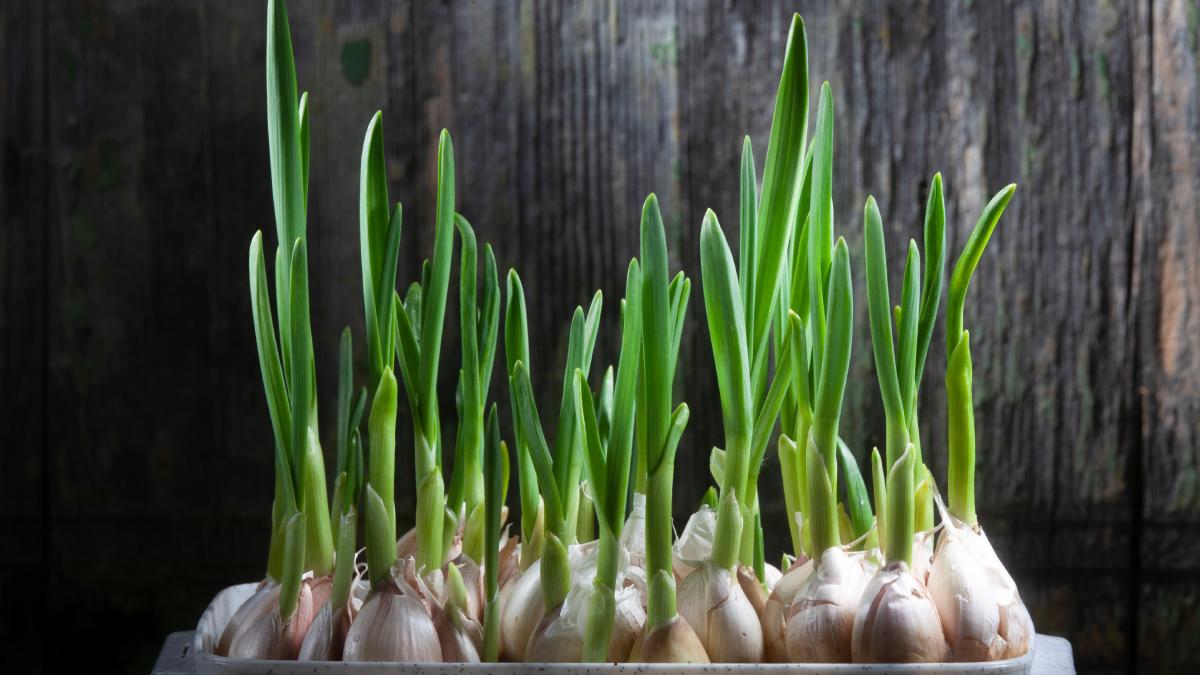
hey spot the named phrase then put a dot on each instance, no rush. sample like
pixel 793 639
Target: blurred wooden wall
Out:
pixel 136 474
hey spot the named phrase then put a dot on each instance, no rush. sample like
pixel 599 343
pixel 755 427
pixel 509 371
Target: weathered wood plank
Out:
pixel 23 257
pixel 136 172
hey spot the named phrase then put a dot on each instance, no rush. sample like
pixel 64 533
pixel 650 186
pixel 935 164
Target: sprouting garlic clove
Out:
pixel 392 626
pixel 966 604
pixel 820 619
pixel 472 576
pixel 460 635
pixel 672 642
pixel 265 597
pixel 897 621
pixel 713 603
pixel 774 615
pixel 981 611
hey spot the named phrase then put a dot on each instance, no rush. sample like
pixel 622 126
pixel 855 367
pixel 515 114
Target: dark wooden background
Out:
pixel 136 464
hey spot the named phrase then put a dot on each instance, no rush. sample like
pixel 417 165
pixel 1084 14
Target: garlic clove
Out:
pixel 672 642
pixel 460 635
pixel 713 603
pixel 521 609
pixel 755 592
pixel 820 619
pixel 318 641
pixel 774 619
pixel 265 597
pixel 897 621
pixel 555 639
pixel 392 626
pixel 262 638
pixel 628 623
pixel 771 576
pixel 981 611
pixel 966 603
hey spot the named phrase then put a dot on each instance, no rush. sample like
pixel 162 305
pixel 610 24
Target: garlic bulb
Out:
pixel 820 618
pixel 713 603
pixel 672 642
pixel 774 620
pixel 977 601
pixel 897 621
pixel 394 624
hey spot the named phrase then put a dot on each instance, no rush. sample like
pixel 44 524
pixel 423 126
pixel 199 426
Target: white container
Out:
pixel 213 621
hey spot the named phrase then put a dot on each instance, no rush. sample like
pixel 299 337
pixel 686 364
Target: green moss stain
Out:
pixel 1024 45
pixel 356 61
pixel 1029 159
pixel 108 164
pixel 1102 77
pixel 1193 22
pixel 666 52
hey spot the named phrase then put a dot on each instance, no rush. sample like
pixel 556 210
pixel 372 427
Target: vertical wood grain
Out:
pixel 135 172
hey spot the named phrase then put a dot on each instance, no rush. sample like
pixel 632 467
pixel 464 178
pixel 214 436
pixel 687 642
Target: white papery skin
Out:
pixel 980 609
pixel 633 535
pixel 694 545
pixel 509 559
pixel 923 555
pixel 820 619
pixel 897 621
pixel 774 620
pixel 712 601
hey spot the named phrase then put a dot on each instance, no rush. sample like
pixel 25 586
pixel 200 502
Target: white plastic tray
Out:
pixel 200 659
